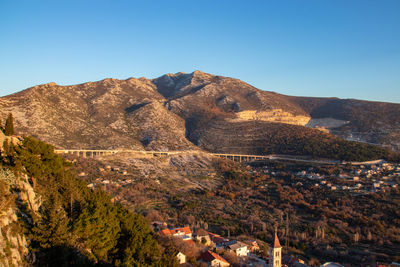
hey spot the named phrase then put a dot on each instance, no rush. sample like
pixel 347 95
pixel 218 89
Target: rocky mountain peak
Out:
pixel 117 113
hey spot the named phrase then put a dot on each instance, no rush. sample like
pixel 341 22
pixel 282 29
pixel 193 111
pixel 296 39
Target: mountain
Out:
pixel 188 111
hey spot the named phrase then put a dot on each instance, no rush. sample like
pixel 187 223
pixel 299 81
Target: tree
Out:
pixel 52 229
pixel 168 257
pixel 98 226
pixel 9 128
pixel 50 234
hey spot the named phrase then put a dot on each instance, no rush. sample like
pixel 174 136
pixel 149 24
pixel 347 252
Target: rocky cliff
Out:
pixel 17 196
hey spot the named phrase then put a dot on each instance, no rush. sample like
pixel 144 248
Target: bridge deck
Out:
pixel 240 157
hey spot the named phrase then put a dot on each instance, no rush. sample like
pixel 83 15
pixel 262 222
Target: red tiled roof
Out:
pixel 209 256
pixel 276 242
pixel 167 232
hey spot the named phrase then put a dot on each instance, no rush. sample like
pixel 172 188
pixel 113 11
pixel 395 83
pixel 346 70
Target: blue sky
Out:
pixel 342 48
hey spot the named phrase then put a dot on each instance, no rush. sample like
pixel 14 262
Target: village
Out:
pixel 360 179
pixel 217 251
pixel 195 246
pixel 357 179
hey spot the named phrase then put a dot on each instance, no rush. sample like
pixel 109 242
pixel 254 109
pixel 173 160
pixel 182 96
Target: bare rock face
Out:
pixel 170 112
pixel 158 128
pixel 274 115
pixel 13 243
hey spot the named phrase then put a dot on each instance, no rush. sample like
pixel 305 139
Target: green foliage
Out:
pixel 9 127
pixel 75 225
pixel 52 228
pixel 98 226
pixel 295 140
pixel 169 258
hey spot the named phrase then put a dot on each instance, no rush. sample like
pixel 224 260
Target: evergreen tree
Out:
pixel 99 226
pixel 52 229
pixel 9 128
pixel 76 226
pixel 50 234
pixel 169 256
pixel 136 245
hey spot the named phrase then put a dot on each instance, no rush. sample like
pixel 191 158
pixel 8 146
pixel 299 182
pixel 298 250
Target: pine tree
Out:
pixel 52 229
pixel 99 226
pixel 136 245
pixel 9 128
pixel 168 257
pixel 50 234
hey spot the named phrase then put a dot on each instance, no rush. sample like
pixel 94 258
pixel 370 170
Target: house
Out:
pixel 181 257
pixel 184 232
pixel 157 225
pixel 252 245
pixel 213 259
pixel 202 236
pixel 293 261
pixel 239 248
pixel 217 239
pixel 376 185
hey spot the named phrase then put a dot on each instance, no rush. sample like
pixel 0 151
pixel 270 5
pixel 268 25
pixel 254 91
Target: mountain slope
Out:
pixel 174 112
pixel 367 121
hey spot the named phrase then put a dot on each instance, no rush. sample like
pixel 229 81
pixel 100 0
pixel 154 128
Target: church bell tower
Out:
pixel 275 253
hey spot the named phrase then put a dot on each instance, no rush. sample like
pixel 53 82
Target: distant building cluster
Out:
pixel 360 179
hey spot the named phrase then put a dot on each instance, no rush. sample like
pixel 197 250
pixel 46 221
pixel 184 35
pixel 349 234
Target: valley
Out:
pixel 206 153
pixel 250 200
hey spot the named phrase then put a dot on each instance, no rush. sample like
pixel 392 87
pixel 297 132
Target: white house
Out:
pixel 181 257
pixel 239 248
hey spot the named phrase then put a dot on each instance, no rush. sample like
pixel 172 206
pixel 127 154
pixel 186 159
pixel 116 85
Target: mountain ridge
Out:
pixel 114 113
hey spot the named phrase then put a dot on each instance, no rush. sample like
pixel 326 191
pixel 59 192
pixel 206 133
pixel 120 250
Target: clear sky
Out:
pixel 342 48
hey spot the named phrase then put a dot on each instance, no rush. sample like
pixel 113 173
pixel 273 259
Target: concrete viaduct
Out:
pixel 91 153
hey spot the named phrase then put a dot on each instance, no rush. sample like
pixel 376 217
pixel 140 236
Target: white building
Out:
pixel 181 257
pixel 239 248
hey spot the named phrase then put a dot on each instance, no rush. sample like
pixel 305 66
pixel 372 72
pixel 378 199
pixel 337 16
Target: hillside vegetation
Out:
pixel 278 138
pixel 348 226
pixel 70 225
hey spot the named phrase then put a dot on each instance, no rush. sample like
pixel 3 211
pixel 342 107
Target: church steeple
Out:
pixel 276 242
pixel 275 253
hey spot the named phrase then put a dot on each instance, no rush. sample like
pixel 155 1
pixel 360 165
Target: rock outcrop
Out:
pixel 17 197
